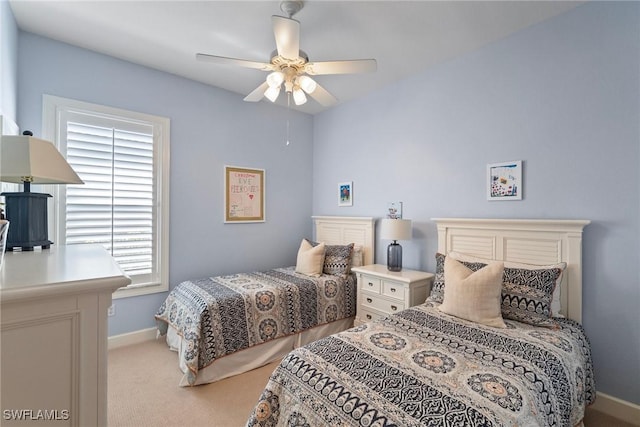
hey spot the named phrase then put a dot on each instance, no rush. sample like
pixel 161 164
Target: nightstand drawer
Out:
pixel 371 284
pixel 370 315
pixel 393 290
pixel 377 303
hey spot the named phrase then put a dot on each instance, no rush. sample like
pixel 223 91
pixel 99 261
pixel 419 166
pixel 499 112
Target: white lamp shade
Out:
pixel 395 229
pixel 275 79
pixel 29 159
pixel 307 84
pixel 272 93
pixel 299 97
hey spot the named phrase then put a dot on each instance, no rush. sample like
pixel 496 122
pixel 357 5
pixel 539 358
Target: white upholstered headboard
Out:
pixel 342 230
pixel 537 241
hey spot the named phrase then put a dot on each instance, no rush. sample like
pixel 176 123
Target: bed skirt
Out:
pixel 257 356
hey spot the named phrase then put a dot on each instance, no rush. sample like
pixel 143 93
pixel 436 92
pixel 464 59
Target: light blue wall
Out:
pixel 210 127
pixel 562 96
pixel 8 61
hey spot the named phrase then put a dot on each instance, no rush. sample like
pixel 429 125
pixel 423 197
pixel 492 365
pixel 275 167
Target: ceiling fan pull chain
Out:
pixel 288 113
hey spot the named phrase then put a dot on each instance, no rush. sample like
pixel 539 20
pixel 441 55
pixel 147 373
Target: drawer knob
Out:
pixel 394 308
pixel 370 284
pixel 369 300
pixel 393 289
pixel 368 316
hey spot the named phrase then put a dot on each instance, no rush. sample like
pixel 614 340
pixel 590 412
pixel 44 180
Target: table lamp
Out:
pixel 25 159
pixel 395 229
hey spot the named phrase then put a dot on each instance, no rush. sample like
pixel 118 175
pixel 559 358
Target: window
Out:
pixel 123 159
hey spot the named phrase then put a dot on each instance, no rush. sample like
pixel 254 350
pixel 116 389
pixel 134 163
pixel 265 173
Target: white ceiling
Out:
pixel 405 37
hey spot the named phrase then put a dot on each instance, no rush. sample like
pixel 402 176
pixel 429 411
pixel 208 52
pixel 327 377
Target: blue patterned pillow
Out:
pixel 337 259
pixel 527 293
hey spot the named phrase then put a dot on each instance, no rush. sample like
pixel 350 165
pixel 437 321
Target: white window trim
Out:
pixel 52 107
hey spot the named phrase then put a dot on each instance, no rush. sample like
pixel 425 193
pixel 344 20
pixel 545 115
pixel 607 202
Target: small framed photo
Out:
pixel 394 210
pixel 504 181
pixel 345 193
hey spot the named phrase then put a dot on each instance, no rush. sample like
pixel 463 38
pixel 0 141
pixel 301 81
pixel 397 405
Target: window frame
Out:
pixel 54 110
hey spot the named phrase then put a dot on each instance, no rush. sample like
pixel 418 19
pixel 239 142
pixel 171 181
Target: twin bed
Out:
pixel 423 366
pixel 226 325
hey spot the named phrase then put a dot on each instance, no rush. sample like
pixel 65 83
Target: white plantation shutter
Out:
pixel 114 207
pixel 123 200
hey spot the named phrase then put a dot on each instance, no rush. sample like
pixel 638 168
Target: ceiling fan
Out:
pixel 290 66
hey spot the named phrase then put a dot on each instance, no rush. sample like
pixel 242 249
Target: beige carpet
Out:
pixel 143 391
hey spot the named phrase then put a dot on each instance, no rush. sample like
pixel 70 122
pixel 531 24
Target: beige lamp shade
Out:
pixel 29 159
pixel 395 229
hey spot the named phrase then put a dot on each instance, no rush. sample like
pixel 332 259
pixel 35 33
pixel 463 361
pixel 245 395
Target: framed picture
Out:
pixel 345 193
pixel 394 210
pixel 504 181
pixel 243 194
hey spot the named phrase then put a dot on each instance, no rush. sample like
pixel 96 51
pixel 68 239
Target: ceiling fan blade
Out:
pixel 257 93
pixel 222 60
pixel 341 67
pixel 321 95
pixel 287 33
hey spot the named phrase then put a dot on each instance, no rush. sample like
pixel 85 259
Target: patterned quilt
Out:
pixel 218 316
pixel 423 367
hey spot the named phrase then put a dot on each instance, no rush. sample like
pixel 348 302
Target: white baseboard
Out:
pixel 135 337
pixel 618 408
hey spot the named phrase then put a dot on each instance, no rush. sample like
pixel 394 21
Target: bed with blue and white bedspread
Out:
pixel 425 367
pixel 216 317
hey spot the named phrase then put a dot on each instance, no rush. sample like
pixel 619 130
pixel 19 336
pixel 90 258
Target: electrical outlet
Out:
pixel 112 310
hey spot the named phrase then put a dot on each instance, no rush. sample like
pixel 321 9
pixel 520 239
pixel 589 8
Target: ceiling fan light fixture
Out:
pixel 275 79
pixel 307 84
pixel 298 96
pixel 272 93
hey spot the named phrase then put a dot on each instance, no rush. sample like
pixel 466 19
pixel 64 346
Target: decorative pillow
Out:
pixel 357 257
pixel 310 259
pixel 337 259
pixel 473 295
pixel 528 290
pixel 527 295
pixel 437 289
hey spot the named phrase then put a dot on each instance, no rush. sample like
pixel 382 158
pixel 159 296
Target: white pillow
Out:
pixel 310 259
pixel 555 301
pixel 357 256
pixel 473 295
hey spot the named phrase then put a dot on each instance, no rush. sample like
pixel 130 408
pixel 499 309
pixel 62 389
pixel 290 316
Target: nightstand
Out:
pixel 382 292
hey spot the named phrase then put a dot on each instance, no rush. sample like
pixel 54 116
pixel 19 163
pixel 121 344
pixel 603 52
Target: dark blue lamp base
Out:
pixel 27 213
pixel 394 257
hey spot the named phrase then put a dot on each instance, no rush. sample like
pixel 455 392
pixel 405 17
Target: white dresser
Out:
pixel 382 292
pixel 53 323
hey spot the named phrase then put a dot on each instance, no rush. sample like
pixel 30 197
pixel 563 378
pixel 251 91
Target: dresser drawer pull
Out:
pixel 368 316
pixel 369 300
pixel 393 289
pixel 370 284
pixel 394 308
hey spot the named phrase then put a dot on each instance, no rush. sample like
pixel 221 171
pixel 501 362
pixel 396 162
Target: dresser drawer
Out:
pixel 393 290
pixel 381 304
pixel 371 284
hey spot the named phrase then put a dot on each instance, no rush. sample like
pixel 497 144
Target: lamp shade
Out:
pixel 29 159
pixel 395 229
